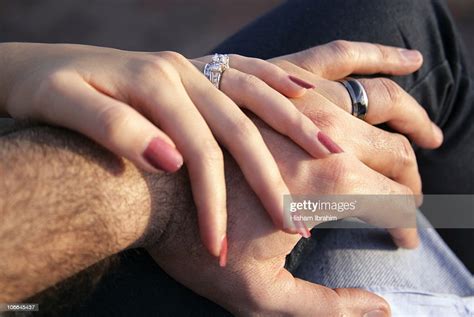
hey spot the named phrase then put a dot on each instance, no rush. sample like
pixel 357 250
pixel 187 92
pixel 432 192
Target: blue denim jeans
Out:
pixel 427 281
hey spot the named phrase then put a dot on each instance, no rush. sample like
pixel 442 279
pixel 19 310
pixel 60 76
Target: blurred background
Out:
pixel 146 24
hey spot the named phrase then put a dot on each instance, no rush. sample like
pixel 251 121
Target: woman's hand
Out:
pixel 158 110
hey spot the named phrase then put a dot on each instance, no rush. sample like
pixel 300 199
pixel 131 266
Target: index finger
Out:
pixel 356 58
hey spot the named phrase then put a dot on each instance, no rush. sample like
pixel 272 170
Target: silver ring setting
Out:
pixel 214 70
pixel 359 99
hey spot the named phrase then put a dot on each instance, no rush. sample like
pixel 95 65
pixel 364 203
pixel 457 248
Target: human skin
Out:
pixel 64 161
pixel 80 225
pixel 156 107
pixel 158 111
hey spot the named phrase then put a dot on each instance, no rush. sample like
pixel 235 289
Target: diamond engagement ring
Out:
pixel 214 70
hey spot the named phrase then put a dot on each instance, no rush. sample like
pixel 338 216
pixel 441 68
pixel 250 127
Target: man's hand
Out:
pixel 391 154
pixel 255 281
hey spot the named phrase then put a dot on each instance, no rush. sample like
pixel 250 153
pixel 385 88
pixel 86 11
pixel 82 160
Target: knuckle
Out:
pixel 391 90
pixel 173 57
pixel 404 152
pixel 249 82
pixel 343 49
pixel 209 153
pixel 263 65
pixel 157 66
pixel 324 119
pixel 54 83
pixel 382 51
pixel 243 129
pixel 406 191
pixel 112 121
pixel 339 174
pixel 237 58
pixel 284 64
pixel 424 115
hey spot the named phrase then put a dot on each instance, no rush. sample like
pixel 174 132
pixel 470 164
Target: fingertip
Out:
pixel 421 61
pixel 212 221
pixel 411 56
pixel 408 240
pixel 409 244
pixel 223 252
pixel 364 303
pixel 419 200
pixel 410 62
pixel 214 242
pixel 301 83
pixel 289 88
pixel 438 135
pixel 431 141
pixel 162 156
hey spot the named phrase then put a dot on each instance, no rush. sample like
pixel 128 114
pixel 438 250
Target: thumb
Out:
pixel 308 299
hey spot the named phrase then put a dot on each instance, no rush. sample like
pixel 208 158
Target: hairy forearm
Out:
pixel 65 204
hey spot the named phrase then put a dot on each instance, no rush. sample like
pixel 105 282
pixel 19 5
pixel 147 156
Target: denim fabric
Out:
pixel 427 281
pixel 406 303
pixel 368 258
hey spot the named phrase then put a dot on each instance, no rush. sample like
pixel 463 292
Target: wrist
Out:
pixel 5 60
pixel 142 207
pixel 13 58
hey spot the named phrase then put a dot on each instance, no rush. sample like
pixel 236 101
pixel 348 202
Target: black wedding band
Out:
pixel 359 100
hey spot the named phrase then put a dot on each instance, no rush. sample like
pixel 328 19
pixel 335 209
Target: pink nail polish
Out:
pixel 223 253
pixel 301 227
pixel 163 156
pixel 329 143
pixel 305 233
pixel 301 82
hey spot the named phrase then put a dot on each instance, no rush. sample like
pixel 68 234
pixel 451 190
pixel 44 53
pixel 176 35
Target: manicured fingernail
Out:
pixel 329 143
pixel 163 156
pixel 375 313
pixel 305 233
pixel 301 82
pixel 302 229
pixel 437 132
pixel 223 253
pixel 412 56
